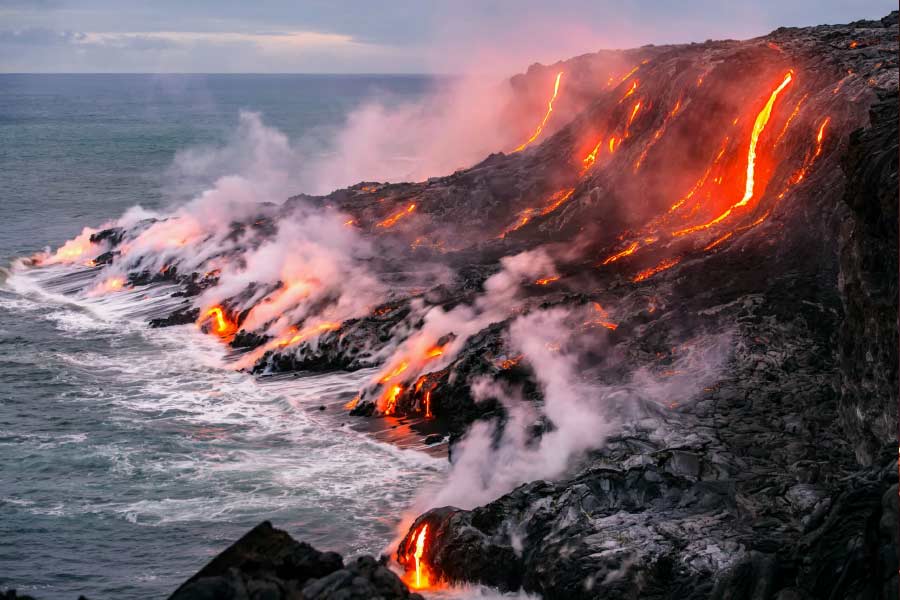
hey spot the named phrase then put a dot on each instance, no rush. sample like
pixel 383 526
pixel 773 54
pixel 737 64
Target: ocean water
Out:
pixel 129 457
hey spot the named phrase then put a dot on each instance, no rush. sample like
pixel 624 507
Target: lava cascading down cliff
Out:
pixel 637 300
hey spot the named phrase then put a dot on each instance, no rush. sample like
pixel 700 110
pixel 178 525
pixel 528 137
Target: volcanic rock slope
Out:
pixel 780 480
pixel 678 195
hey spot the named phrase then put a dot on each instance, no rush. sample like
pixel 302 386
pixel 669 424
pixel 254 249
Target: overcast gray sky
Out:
pixel 372 36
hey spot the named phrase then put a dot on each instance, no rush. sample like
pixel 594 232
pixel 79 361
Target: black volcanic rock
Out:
pixel 183 316
pixel 779 482
pixel 268 564
pixel 868 283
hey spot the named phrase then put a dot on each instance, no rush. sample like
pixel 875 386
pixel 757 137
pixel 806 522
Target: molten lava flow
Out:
pixel 307 332
pixel 547 280
pixel 540 127
pixel 428 414
pixel 389 400
pixel 647 273
pixel 700 182
pixel 421 579
pixel 392 220
pixel 112 285
pixel 222 325
pixel 820 135
pixel 657 135
pixel 603 318
pixel 634 112
pixel 524 218
pixel 434 352
pixel 631 90
pixel 589 160
pixel 397 371
pixel 629 74
pixel 613 143
pixel 557 200
pixel 621 254
pixel 758 126
pixel 718 241
pixel 790 118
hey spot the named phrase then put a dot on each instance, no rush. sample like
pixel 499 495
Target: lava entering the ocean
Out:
pixel 411 557
pixel 222 325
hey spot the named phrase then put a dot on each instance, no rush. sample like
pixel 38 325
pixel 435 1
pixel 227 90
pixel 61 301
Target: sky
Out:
pixel 373 36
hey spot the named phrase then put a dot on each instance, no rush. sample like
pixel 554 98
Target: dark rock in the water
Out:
pixel 434 438
pixel 112 236
pixel 180 317
pixel 269 564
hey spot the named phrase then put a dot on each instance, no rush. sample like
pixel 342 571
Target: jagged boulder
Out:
pixel 268 564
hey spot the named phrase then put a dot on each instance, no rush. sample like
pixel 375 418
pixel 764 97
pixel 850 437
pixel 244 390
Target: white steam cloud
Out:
pixel 583 413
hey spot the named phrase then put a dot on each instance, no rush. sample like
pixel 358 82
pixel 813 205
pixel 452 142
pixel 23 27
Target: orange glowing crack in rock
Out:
pixel 540 128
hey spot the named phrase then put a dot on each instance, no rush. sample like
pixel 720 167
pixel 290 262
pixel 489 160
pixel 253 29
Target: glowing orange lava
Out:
pixel 540 128
pixel 631 90
pixel 657 135
pixel 629 74
pixel 112 285
pixel 390 398
pixel 308 332
pixel 547 280
pixel 718 241
pixel 392 220
pixel 397 371
pixel 634 112
pixel 758 126
pixel 222 325
pixel 602 319
pixel 428 414
pixel 557 200
pixel 613 143
pixel 621 254
pixel 589 160
pixel 790 118
pixel 421 570
pixel 662 266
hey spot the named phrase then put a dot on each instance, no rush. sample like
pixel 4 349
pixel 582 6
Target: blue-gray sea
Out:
pixel 129 457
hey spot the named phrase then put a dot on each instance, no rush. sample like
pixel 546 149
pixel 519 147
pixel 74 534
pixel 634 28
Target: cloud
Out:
pixel 269 41
pixel 36 36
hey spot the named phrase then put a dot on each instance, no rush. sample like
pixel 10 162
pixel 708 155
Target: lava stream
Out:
pixel 392 220
pixel 540 128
